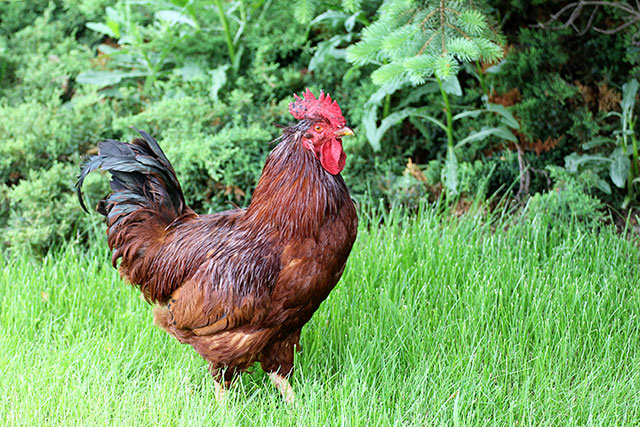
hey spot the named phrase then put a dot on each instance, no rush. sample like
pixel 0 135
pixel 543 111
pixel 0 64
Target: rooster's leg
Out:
pixel 277 360
pixel 222 378
pixel 220 392
pixel 282 384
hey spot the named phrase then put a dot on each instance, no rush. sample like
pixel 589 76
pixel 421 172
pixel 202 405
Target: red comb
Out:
pixel 323 106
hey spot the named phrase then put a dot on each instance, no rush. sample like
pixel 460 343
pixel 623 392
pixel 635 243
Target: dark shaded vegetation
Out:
pixel 74 72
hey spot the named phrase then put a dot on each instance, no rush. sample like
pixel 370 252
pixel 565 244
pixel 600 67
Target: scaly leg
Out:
pixel 283 385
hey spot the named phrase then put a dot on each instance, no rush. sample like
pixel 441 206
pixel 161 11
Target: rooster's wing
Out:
pixel 236 274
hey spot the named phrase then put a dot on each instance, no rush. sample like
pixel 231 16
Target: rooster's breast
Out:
pixel 311 267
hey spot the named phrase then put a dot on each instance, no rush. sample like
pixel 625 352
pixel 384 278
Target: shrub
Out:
pixel 36 135
pixel 571 198
pixel 43 209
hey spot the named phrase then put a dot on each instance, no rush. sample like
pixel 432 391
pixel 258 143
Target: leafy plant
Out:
pixel 422 45
pixel 623 163
pixel 305 10
pixel 212 114
pixel 421 115
pixel 570 199
pixel 139 51
pixel 153 51
pixel 416 41
pixel 37 221
pixel 241 12
pixel 330 47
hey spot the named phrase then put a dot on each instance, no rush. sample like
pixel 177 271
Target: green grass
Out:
pixel 436 321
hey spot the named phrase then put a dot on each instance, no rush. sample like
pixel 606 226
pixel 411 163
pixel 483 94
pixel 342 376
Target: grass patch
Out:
pixel 435 321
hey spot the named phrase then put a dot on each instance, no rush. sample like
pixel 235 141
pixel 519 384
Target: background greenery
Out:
pixel 209 78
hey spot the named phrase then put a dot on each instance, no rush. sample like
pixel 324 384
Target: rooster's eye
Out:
pixel 318 128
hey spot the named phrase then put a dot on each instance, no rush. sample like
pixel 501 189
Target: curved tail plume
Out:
pixel 145 199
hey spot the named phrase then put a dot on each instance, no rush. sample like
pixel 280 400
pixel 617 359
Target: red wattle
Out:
pixel 333 157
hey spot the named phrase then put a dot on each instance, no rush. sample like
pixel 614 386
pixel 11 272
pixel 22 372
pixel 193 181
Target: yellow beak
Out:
pixel 345 131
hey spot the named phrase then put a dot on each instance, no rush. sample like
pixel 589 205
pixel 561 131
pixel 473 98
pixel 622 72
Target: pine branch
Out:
pixel 426 44
pixel 435 31
pixel 459 30
pixel 444 39
pixel 426 19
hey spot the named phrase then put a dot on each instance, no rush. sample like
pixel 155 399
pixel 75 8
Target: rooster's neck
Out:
pixel 295 195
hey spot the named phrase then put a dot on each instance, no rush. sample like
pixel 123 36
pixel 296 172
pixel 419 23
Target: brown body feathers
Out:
pixel 239 285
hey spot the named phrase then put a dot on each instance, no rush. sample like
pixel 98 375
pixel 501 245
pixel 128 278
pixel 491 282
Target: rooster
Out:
pixel 238 286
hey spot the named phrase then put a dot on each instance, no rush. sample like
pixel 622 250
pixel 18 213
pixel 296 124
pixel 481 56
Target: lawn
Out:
pixel 436 321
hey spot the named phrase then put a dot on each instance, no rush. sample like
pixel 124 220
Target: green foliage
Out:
pixel 73 72
pixel 43 62
pixel 623 162
pixel 43 210
pixel 415 40
pixel 179 39
pixel 141 50
pixel 51 114
pixel 305 10
pixel 571 198
pixel 16 14
pixel 351 5
pixel 38 167
pixel 36 135
pixel 562 83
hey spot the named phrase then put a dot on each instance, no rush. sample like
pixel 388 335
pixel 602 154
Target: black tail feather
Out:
pixel 90 165
pixel 141 177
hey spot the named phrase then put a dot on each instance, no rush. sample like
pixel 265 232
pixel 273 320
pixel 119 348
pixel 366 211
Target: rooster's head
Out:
pixel 322 129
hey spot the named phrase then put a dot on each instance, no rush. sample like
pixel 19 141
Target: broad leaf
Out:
pixel 496 68
pixel 106 78
pixel 452 86
pixel 108 50
pixel 500 132
pixel 329 48
pixel 433 120
pixel 450 172
pixel 374 134
pixel 218 79
pixel 370 117
pixel 174 17
pixel 114 26
pixel 191 71
pixel 573 161
pixel 333 17
pixel 114 15
pixel 619 170
pixel 384 90
pixel 507 117
pixel 629 91
pixel 350 22
pixel 416 94
pixel 603 186
pixel 101 28
pixel 472 113
pixel 596 142
pixel 370 128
